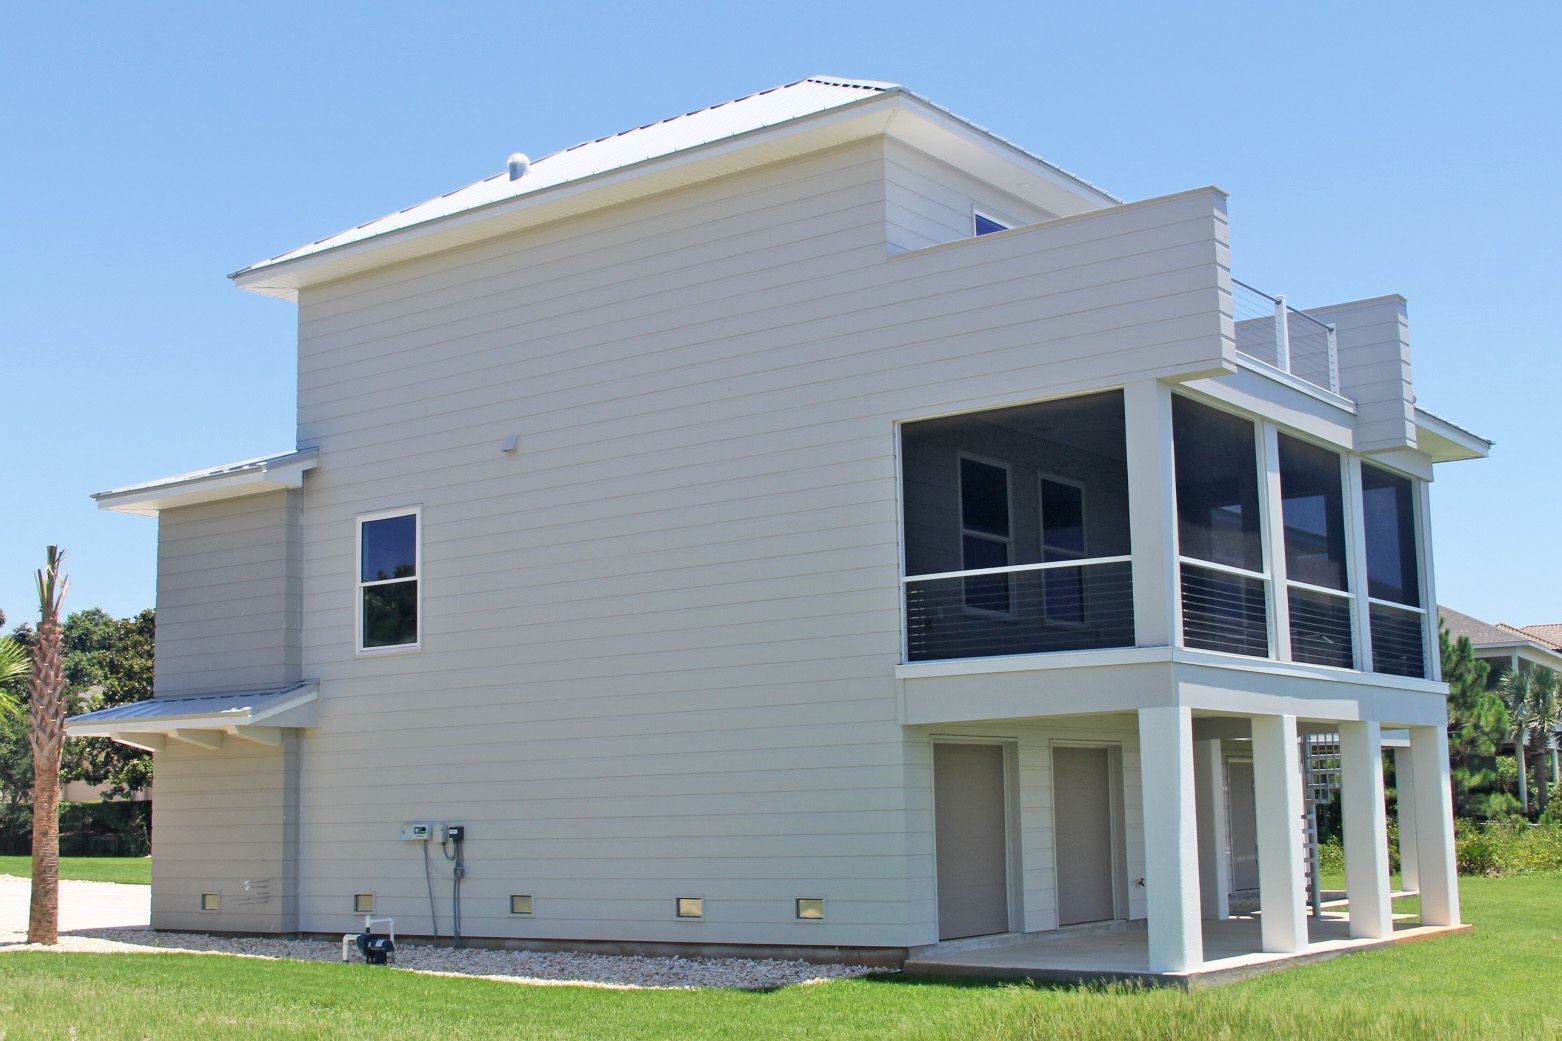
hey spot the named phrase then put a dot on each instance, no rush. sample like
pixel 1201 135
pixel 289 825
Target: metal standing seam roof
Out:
pixel 729 119
pixel 242 705
pixel 259 463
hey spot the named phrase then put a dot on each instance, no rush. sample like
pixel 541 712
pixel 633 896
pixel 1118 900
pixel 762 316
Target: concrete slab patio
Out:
pixel 83 905
pixel 1119 953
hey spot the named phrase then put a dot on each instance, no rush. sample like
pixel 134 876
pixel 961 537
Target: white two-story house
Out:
pixel 809 523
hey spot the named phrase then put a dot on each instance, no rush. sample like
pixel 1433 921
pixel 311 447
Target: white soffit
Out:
pixel 230 481
pixel 772 126
pixel 1447 443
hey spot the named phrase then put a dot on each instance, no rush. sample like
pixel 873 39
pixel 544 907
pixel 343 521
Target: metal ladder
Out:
pixel 1320 780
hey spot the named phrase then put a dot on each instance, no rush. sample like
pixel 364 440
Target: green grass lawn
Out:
pixel 1497 982
pixel 133 870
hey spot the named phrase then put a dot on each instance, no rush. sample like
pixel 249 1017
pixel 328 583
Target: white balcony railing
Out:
pixel 1270 331
pixel 1059 605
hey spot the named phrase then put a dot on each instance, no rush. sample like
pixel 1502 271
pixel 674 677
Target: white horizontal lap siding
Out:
pixel 928 202
pixel 217 823
pixel 228 591
pixel 658 642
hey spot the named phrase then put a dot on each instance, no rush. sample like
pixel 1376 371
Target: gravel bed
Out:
pixel 602 970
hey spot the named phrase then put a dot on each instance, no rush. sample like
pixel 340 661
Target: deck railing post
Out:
pixel 1282 335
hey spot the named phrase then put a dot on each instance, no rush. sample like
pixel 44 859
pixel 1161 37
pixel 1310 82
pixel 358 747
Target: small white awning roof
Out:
pixel 203 719
pixel 231 480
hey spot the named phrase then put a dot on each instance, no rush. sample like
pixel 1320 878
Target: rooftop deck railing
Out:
pixel 1271 331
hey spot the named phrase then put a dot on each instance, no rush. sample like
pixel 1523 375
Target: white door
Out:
pixel 1243 826
pixel 1082 811
pixel 970 839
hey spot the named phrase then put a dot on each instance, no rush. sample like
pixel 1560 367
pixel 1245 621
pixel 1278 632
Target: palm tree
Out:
pixel 15 663
pixel 1545 715
pixel 46 704
pixel 1517 688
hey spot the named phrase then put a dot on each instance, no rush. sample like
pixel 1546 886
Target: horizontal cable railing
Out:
pixel 1398 646
pixel 1269 330
pixel 1224 609
pixel 1066 605
pixel 1321 631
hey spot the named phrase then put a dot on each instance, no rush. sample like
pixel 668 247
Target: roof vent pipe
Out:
pixel 519 163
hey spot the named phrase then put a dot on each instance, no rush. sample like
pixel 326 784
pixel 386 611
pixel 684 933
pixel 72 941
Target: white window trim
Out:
pixel 1008 541
pixel 359 585
pixel 1042 477
pixel 985 214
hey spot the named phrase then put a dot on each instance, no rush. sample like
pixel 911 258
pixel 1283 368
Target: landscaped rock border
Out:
pixel 550 967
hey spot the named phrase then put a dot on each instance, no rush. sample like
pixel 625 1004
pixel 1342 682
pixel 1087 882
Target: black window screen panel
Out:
pixel 1224 612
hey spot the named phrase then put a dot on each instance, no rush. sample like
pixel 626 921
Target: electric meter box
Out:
pixel 417 831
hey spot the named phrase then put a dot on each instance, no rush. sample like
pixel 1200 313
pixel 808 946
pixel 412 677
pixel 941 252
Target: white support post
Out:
pixel 1171 849
pixel 1152 513
pixel 1282 335
pixel 1334 359
pixel 1209 779
pixel 1277 791
pixel 1366 830
pixel 1272 512
pixel 1405 786
pixel 1421 495
pixel 1435 864
pixel 1356 560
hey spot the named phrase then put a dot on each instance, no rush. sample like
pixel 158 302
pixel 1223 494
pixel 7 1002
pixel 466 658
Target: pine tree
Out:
pixel 1477 724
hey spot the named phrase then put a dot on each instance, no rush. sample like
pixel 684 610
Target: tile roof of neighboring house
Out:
pixel 1480 633
pixel 768 108
pixel 1550 635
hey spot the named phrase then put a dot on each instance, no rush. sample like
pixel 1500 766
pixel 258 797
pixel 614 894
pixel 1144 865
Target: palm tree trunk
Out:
pixel 1518 753
pixel 1543 775
pixel 46 707
pixel 43 918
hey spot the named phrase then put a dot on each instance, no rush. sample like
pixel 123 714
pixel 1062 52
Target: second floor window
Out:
pixel 1312 499
pixel 389 559
pixel 986 538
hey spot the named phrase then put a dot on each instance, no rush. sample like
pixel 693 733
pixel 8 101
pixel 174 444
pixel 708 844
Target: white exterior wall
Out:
pixel 659 643
pixel 928 202
pixel 218 822
pixel 228 595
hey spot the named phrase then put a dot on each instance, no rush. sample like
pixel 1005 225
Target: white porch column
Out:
pixel 1405 785
pixel 1277 791
pixel 1366 830
pixel 1171 850
pixel 1438 875
pixel 1209 779
pixel 1152 512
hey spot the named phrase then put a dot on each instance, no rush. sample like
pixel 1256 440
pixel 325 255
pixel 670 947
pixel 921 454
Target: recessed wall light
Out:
pixel 810 908
pixel 520 904
pixel 691 907
pixel 211 901
pixel 363 903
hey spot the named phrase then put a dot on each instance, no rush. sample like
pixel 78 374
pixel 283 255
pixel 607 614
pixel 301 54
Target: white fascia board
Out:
pixel 1447 443
pixel 271 474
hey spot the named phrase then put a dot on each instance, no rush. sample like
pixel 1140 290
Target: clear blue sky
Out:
pixel 152 149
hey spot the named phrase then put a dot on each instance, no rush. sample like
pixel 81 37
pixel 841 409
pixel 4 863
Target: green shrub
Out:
pixel 86 829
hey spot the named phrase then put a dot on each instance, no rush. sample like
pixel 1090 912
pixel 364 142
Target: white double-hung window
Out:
pixel 390 565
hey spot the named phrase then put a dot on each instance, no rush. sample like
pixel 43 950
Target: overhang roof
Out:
pixel 780 123
pixel 1447 442
pixel 202 719
pixel 231 480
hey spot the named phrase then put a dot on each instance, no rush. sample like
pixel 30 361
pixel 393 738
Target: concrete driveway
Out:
pixel 83 905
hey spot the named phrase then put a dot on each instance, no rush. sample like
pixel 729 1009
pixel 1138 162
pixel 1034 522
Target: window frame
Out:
pixel 978 213
pixel 1007 541
pixel 359 585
